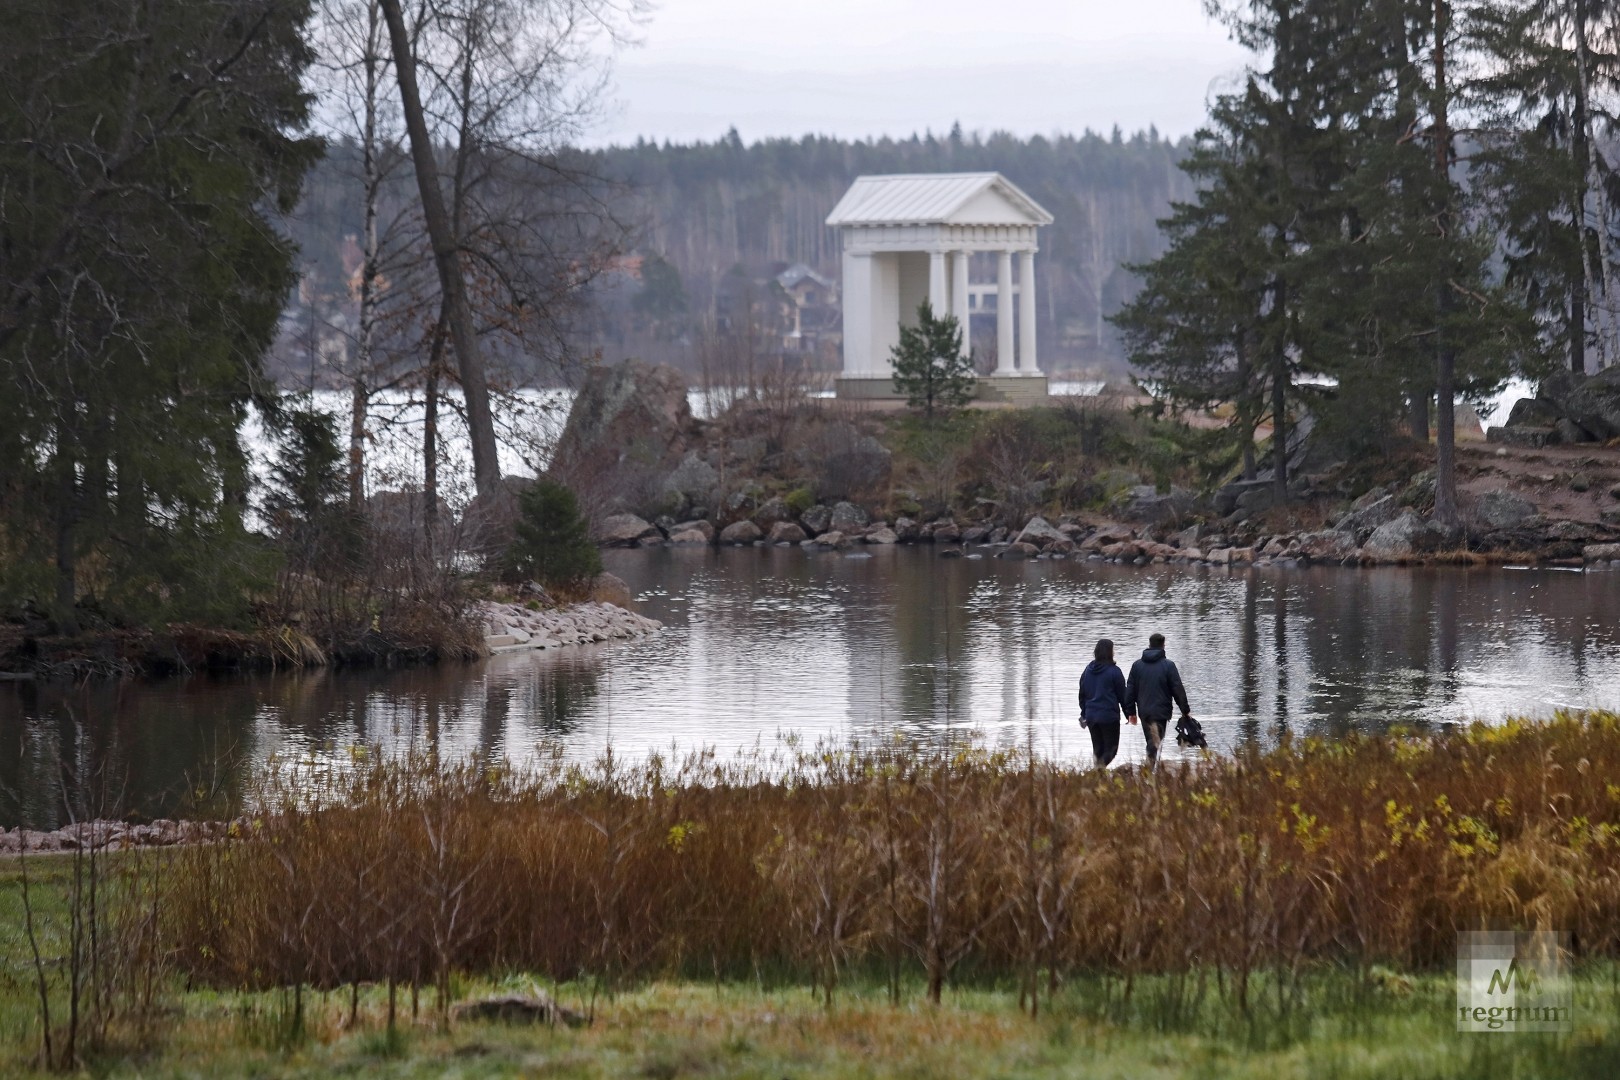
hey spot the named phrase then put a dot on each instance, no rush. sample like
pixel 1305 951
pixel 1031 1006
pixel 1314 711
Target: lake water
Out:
pixel 763 641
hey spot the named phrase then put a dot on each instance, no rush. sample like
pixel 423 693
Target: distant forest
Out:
pixel 713 210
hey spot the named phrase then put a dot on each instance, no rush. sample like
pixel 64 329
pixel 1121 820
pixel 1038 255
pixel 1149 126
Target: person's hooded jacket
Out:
pixel 1102 692
pixel 1153 687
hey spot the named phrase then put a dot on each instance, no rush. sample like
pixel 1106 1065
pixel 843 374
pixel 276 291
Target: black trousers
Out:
pixel 1104 740
pixel 1153 732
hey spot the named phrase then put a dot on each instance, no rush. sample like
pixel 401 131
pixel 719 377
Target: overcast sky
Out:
pixel 856 68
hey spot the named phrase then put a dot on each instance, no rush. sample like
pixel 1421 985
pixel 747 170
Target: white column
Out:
pixel 960 305
pixel 1026 314
pixel 1005 363
pixel 939 297
pixel 857 313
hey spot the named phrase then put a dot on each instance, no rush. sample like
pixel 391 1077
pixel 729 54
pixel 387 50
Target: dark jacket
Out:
pixel 1154 684
pixel 1102 691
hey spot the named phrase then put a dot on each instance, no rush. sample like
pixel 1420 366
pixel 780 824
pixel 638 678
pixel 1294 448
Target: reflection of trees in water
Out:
pixel 119 748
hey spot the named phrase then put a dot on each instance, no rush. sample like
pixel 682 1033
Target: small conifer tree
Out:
pixel 553 544
pixel 930 368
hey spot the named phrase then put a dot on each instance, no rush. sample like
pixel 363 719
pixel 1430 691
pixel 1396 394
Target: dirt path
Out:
pixel 1546 477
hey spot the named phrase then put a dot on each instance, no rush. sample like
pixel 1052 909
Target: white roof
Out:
pixel 936 199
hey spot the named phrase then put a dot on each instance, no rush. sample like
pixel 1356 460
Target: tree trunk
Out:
pixel 371 183
pixel 1279 410
pixel 357 443
pixel 1445 375
pixel 463 331
pixel 430 439
pixel 1419 416
pixel 67 513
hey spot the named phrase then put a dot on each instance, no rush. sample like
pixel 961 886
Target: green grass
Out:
pixel 686 1029
pixel 1343 1027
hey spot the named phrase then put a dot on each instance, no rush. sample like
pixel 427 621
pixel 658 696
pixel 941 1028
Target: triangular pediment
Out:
pixel 937 199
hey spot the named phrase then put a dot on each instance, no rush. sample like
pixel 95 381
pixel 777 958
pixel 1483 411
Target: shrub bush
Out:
pixel 553 545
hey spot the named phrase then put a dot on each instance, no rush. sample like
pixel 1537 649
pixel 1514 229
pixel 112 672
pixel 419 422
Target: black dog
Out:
pixel 1190 732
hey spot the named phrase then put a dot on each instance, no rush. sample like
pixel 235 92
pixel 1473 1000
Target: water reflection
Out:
pixel 763 641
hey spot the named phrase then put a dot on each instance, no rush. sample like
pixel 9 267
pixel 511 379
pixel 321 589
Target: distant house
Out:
pixel 816 317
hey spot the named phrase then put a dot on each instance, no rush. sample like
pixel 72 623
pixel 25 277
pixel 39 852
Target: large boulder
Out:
pixel 741 532
pixel 816 520
pixel 1533 412
pixel 693 482
pixel 1039 532
pixel 883 535
pixel 1144 503
pixel 1362 521
pixel 1502 510
pixel 623 530
pixel 772 511
pixel 1592 403
pixel 1330 546
pixel 1403 537
pixel 848 518
pixel 700 526
pixel 689 538
pixel 627 430
pixel 785 532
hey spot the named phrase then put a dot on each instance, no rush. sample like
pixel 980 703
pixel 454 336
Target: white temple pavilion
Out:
pixel 911 238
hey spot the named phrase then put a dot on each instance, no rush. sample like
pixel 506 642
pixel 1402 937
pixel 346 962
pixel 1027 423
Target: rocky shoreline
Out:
pixel 104 835
pixel 1380 529
pixel 516 627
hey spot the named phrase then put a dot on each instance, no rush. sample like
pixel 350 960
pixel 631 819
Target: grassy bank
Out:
pixel 673 1030
pixel 1236 915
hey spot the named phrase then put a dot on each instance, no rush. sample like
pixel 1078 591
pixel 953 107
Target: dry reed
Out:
pixel 938 863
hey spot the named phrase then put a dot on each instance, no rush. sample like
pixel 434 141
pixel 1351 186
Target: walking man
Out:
pixel 1102 691
pixel 1154 685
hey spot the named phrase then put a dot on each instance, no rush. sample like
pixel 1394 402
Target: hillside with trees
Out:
pixel 710 220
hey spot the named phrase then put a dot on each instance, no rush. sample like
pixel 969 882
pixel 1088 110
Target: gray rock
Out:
pixel 1189 536
pixel 1592 402
pixel 741 532
pixel 1256 501
pixel 692 482
pixel 1502 509
pixel 816 520
pixel 700 525
pixel 770 512
pixel 1572 434
pixel 881 536
pixel 623 530
pixel 946 532
pixel 628 428
pixel 1604 552
pixel 1361 523
pixel 1144 503
pixel 1040 532
pixel 906 531
pixel 847 517
pixel 689 538
pixel 1330 546
pixel 1533 412
pixel 1404 537
pixel 786 532
pixel 1534 438
pixel 833 539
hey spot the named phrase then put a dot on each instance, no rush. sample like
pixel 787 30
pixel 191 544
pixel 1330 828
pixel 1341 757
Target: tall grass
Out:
pixel 912 863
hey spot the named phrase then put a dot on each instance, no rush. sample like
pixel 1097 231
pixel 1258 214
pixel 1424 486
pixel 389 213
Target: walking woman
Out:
pixel 1102 692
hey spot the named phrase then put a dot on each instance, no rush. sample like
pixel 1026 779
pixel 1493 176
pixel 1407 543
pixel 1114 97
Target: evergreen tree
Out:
pixel 553 543
pixel 930 368
pixel 140 152
pixel 1548 69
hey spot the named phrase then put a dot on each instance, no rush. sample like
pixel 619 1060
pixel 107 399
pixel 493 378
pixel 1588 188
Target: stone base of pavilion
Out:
pixel 989 389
